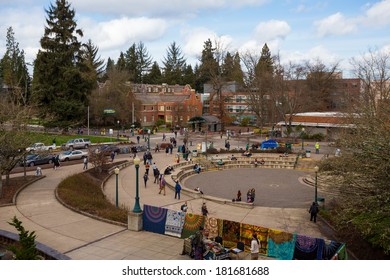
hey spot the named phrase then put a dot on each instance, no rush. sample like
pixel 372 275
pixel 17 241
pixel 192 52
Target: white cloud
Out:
pixel 312 54
pixel 271 30
pixel 336 24
pixel 177 8
pixel 118 32
pixel 28 27
pixel 378 14
pixel 193 40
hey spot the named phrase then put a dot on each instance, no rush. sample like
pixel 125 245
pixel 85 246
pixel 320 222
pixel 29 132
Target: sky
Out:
pixel 298 30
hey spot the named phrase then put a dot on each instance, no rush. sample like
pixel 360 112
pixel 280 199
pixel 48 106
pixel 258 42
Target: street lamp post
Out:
pixel 316 168
pixel 303 132
pixel 137 208
pixel 117 136
pixel 116 170
pixel 149 139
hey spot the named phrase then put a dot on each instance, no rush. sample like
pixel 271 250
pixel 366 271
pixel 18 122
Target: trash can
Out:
pixel 308 154
pixel 194 153
pixel 288 146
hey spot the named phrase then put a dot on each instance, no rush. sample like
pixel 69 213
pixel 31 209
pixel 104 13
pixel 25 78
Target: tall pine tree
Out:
pixel 174 65
pixel 62 77
pixel 13 72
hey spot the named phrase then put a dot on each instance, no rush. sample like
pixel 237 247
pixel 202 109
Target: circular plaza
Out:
pixel 279 188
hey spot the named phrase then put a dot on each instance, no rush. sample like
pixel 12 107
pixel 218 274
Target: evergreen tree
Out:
pixel 154 76
pixel 110 64
pixel 259 85
pixel 13 71
pixel 189 76
pixel 121 63
pixel 62 77
pixel 174 65
pixel 231 68
pixel 144 63
pixel 208 65
pixel 91 56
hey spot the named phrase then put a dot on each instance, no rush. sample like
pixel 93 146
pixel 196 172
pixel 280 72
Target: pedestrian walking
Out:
pixel 146 177
pixel 156 174
pixel 38 172
pixel 147 167
pixel 255 246
pixel 162 185
pixel 85 161
pixel 177 189
pixel 163 137
pixel 138 139
pixel 112 156
pixel 313 212
pixel 317 146
pixel 204 209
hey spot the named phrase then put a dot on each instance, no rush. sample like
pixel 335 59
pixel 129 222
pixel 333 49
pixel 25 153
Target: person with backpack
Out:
pixel 146 177
pixel 313 212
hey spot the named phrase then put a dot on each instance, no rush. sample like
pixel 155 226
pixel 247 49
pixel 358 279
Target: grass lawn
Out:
pixel 47 138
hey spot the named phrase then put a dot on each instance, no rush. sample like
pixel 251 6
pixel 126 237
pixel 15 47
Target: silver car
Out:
pixel 71 155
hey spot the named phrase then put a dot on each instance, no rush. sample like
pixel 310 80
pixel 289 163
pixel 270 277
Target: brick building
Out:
pixel 236 100
pixel 174 104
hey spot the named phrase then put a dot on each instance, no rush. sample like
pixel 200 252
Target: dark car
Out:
pixel 108 149
pixel 37 159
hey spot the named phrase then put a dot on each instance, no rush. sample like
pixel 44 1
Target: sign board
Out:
pixel 109 111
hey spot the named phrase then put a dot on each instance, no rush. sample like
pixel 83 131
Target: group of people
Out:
pixel 250 195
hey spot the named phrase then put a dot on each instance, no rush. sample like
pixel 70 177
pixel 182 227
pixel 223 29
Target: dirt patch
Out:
pixel 15 184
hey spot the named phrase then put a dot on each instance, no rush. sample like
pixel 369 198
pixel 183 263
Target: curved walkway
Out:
pixel 82 237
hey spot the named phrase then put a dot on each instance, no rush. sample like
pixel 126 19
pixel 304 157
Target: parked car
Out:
pixel 40 147
pixel 37 159
pixel 79 143
pixel 108 149
pixel 71 155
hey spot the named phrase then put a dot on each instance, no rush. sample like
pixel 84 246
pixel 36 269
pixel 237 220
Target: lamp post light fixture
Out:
pixel 316 169
pixel 116 170
pixel 137 208
pixel 302 134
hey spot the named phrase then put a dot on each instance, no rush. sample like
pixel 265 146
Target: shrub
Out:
pixel 25 250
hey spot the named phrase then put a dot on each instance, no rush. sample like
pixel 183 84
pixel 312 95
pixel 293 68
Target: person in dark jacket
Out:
pixel 177 190
pixel 313 212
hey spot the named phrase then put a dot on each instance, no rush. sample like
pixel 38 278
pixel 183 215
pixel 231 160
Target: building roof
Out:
pixel 156 98
pixel 204 119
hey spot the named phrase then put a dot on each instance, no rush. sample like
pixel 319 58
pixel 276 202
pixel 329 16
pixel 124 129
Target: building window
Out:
pixel 168 119
pixel 144 108
pixel 176 118
pixel 168 108
pixel 144 118
pixel 153 118
pixel 161 108
pixel 181 118
pixel 152 108
pixel 188 118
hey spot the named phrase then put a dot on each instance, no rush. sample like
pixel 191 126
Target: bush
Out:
pixel 82 191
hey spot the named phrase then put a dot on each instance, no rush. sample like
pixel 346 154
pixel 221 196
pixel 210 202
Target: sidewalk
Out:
pixel 84 238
